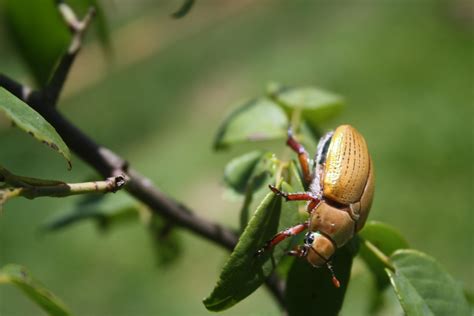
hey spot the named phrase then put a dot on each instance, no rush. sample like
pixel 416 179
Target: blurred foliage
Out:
pixel 20 277
pixel 184 9
pixel 40 35
pixel 317 106
pixel 256 120
pixel 405 68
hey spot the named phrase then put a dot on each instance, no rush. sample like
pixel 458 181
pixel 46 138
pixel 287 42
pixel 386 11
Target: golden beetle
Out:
pixel 341 189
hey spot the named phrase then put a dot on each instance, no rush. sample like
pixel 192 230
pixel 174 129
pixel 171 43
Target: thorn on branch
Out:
pixel 117 182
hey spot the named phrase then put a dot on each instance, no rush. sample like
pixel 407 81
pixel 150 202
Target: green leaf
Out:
pixel 105 210
pixel 239 170
pixel 318 106
pixel 256 120
pixel 469 297
pixel 310 288
pixel 423 287
pixel 295 178
pixel 33 123
pixel 309 136
pixel 40 35
pixel 19 276
pixel 385 238
pixel 263 173
pixel 166 241
pixel 243 273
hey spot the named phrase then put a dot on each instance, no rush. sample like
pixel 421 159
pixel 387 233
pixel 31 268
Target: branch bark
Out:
pixel 110 164
pixel 111 184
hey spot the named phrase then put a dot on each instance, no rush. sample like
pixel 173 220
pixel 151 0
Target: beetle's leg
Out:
pixel 304 196
pixel 335 281
pixel 299 252
pixel 303 156
pixel 311 205
pixel 292 231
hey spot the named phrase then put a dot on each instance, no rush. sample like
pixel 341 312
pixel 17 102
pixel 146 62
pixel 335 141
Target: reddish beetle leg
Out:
pixel 278 238
pixel 303 156
pixel 303 196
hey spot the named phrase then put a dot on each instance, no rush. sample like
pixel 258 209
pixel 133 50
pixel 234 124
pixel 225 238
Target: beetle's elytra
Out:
pixel 341 189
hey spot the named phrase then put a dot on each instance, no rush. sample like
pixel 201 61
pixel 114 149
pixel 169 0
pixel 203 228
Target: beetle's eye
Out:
pixel 309 239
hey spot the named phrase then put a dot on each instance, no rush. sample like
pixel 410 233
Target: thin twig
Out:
pixel 108 163
pixel 77 28
pixel 40 188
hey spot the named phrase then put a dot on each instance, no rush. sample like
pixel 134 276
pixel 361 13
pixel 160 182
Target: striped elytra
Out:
pixel 347 166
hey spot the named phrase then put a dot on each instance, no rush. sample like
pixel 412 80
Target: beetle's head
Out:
pixel 318 249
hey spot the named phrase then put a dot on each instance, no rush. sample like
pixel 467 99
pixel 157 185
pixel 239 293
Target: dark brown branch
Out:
pixel 77 28
pixel 14 87
pixel 108 163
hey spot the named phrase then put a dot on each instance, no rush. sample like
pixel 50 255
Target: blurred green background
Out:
pixel 404 67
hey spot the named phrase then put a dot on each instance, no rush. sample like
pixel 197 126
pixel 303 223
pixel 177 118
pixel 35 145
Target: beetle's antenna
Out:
pixel 335 281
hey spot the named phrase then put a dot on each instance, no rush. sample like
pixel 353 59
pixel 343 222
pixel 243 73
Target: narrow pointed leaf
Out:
pixel 20 277
pixel 310 288
pixel 243 273
pixel 256 120
pixel 33 123
pixel 423 287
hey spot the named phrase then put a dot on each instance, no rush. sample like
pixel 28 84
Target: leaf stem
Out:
pixel 380 255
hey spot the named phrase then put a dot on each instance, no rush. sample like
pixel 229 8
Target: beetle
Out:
pixel 341 190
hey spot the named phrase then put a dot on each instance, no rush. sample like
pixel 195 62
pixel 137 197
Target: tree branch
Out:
pixel 108 163
pixel 111 184
pixel 20 91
